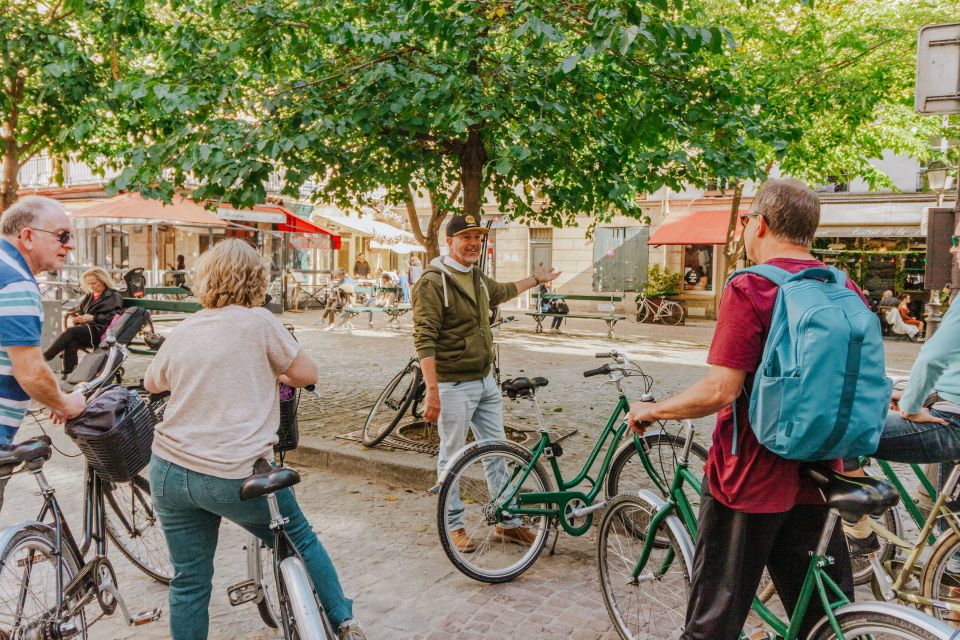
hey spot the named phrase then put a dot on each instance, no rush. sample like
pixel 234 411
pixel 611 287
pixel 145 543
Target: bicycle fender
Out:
pixel 467 449
pixel 7 533
pixel 675 525
pixel 908 614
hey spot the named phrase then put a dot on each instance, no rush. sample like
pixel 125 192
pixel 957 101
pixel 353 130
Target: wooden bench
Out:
pixel 609 317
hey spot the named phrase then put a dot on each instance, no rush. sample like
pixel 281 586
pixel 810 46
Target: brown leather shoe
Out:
pixel 462 541
pixel 517 535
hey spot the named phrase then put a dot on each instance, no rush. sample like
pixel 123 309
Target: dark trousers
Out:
pixel 70 341
pixel 555 322
pixel 733 548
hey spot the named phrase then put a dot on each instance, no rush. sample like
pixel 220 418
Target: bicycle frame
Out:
pixel 816 581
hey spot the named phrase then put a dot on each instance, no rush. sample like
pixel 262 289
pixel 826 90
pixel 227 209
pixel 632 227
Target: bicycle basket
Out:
pixel 115 433
pixel 289 431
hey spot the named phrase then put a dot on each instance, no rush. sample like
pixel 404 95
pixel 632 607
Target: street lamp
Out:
pixel 937 179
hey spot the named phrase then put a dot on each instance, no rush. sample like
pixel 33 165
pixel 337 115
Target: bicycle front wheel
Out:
pixel 628 474
pixel 28 586
pixel 653 604
pixel 878 625
pixel 481 543
pixel 671 314
pixel 941 575
pixel 133 526
pixel 391 406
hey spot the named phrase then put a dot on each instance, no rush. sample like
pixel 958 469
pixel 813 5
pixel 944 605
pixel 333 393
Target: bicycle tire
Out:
pixel 673 314
pixel 643 311
pixel 135 528
pixel 939 580
pixel 416 409
pixel 377 427
pixel 877 625
pixel 34 539
pixel 476 524
pixel 664 450
pixel 305 617
pixel 661 601
pixel 260 569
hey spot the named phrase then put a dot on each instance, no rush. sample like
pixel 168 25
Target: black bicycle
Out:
pixel 406 392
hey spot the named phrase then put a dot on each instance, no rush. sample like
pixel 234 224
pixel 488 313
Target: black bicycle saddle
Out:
pixel 26 451
pixel 853 496
pixel 523 387
pixel 267 479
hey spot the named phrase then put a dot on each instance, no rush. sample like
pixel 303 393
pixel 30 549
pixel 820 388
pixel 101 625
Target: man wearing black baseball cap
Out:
pixel 451 332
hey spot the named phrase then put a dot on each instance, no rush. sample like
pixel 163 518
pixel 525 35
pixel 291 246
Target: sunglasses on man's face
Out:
pixel 63 237
pixel 954 241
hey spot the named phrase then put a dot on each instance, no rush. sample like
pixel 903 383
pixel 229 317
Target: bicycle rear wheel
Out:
pixel 671 314
pixel 392 405
pixel 877 625
pixel 133 526
pixel 304 615
pixel 654 604
pixel 260 568
pixel 28 586
pixel 941 575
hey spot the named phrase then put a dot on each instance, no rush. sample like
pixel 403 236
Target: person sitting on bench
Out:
pixel 341 298
pixel 904 309
pixel 90 318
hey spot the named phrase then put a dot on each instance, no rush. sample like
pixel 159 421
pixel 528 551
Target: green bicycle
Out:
pixel 645 559
pixel 490 487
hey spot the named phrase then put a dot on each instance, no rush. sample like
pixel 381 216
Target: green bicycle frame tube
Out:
pixel 907 502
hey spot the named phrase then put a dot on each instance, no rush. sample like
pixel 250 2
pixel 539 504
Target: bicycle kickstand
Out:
pixel 556 535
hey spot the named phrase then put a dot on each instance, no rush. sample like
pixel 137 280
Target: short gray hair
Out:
pixel 791 209
pixel 23 213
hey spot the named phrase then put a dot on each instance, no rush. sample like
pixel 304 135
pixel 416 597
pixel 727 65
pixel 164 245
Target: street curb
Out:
pixel 338 459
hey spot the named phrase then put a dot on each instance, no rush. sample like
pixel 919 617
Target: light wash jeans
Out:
pixel 190 506
pixel 476 404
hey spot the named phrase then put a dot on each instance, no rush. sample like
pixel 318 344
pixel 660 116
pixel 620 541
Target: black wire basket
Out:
pixel 289 431
pixel 117 455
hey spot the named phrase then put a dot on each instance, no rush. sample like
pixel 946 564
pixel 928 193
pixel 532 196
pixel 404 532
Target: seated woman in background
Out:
pixel 904 308
pixel 89 319
pixel 342 296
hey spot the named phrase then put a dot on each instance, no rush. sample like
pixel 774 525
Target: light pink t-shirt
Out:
pixel 221 367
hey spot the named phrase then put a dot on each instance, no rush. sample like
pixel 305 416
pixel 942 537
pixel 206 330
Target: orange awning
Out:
pixel 694 227
pixel 132 208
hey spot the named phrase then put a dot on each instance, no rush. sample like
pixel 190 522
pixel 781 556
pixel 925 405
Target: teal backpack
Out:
pixel 821 391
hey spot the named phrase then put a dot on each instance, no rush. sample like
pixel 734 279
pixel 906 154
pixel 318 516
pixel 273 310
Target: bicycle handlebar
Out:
pixel 599 371
pixel 605 354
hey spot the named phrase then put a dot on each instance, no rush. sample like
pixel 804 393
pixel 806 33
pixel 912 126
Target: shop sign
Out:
pixel 869 232
pixel 246 215
pixel 611 253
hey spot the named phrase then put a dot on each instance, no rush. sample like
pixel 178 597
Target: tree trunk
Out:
pixel 8 182
pixel 733 246
pixel 431 238
pixel 473 157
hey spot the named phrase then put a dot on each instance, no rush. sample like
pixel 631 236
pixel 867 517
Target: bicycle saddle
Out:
pixel 853 496
pixel 523 387
pixel 27 451
pixel 267 479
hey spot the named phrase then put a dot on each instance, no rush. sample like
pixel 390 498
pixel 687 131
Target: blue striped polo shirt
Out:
pixel 21 318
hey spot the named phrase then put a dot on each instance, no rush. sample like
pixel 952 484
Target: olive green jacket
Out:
pixel 449 326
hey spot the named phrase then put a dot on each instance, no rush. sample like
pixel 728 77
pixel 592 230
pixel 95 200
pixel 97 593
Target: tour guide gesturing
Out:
pixel 451 333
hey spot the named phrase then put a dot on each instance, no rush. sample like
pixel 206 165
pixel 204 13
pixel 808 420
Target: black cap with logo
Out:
pixel 459 224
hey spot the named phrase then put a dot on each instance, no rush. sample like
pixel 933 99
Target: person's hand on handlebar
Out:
pixel 73 405
pixel 641 416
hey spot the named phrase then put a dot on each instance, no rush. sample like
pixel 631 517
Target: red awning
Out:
pixel 695 227
pixel 132 208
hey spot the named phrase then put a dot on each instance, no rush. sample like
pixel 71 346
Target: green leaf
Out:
pixel 569 63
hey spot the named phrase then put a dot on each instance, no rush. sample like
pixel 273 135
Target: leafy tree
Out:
pixel 838 80
pixel 55 62
pixel 552 108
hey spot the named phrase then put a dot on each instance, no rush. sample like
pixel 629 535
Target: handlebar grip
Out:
pixel 599 371
pixel 604 354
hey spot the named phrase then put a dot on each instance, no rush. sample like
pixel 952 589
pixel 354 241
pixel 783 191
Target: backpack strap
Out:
pixel 851 374
pixel 776 275
pixel 828 274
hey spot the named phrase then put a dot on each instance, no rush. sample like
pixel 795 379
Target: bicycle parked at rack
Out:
pixel 518 490
pixel 645 558
pixel 405 392
pixel 667 311
pixel 45 579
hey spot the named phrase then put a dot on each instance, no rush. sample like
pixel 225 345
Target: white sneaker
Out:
pixel 350 630
pixel 329 327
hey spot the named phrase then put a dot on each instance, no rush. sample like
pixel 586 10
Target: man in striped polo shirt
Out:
pixel 36 237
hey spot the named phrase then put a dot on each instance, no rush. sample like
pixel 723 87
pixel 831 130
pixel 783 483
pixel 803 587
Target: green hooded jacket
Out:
pixel 450 326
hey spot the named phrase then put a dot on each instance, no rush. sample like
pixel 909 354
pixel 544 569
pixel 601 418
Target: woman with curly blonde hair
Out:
pixel 222 367
pixel 89 319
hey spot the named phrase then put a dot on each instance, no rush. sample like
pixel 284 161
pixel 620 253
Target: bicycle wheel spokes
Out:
pixel 628 475
pixel 391 406
pixel 672 314
pixel 28 587
pixel 480 498
pixel 133 525
pixel 652 604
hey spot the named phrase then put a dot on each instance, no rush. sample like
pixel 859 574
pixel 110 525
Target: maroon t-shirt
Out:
pixel 755 480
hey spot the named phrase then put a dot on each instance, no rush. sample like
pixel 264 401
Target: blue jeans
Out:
pixel 190 506
pixel 478 405
pixel 405 288
pixel 921 442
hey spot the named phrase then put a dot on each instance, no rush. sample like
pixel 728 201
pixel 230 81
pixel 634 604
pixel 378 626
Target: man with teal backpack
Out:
pixel 796 376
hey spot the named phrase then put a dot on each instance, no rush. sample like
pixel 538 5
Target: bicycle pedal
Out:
pixel 242 592
pixel 761 635
pixel 145 617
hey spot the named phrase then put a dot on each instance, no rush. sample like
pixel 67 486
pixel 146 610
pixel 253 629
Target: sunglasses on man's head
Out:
pixel 63 237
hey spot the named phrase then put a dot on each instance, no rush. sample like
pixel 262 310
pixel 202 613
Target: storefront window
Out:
pixel 698 267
